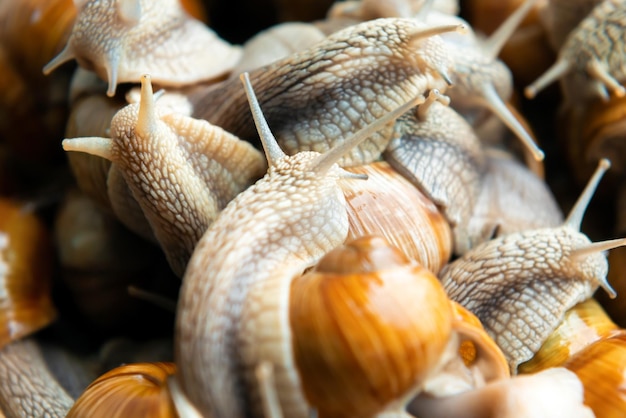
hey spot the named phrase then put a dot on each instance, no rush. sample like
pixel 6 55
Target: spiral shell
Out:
pixel 133 390
pixel 366 304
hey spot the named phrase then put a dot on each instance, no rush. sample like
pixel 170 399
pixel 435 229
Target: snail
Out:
pixel 276 43
pixel 26 387
pixel 481 80
pixel 131 390
pixel 526 52
pixel 317 97
pixel 365 303
pixel 520 284
pixel 593 51
pixel 292 216
pixel 594 130
pixel 181 171
pixel 188 51
pixel 439 152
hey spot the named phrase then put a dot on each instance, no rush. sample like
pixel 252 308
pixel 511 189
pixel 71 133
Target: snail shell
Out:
pixel 25 269
pixel 132 390
pixel 601 368
pixel 363 304
pixel 388 205
pixel 582 325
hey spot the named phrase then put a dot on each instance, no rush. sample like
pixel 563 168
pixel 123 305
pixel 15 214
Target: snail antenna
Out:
pixel 273 153
pixel 575 217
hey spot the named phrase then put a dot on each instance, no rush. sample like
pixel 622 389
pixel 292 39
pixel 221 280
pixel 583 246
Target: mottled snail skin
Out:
pixel 593 52
pixel 181 171
pixel 366 304
pixel 121 40
pixel 440 154
pixel 520 285
pixel 28 388
pixel 317 97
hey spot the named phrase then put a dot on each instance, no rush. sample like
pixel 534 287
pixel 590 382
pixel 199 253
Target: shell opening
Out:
pixel 575 217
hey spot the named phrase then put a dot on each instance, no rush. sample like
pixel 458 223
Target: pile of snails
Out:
pixel 345 216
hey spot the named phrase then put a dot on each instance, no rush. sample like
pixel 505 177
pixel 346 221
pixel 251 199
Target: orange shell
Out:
pixel 368 327
pixel 133 390
pixel 25 271
pixel 601 368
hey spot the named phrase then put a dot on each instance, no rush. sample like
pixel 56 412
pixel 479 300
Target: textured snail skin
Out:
pixel 442 156
pixel 592 54
pixel 28 388
pixel 316 98
pixel 121 40
pixel 180 171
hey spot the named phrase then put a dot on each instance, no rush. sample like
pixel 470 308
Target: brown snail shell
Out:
pixel 25 272
pixel 133 390
pixel 390 206
pixel 364 304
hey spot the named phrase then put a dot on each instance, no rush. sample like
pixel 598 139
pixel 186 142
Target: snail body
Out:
pixel 520 285
pixel 292 216
pixel 133 31
pixel 317 97
pixel 594 49
pixel 197 167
